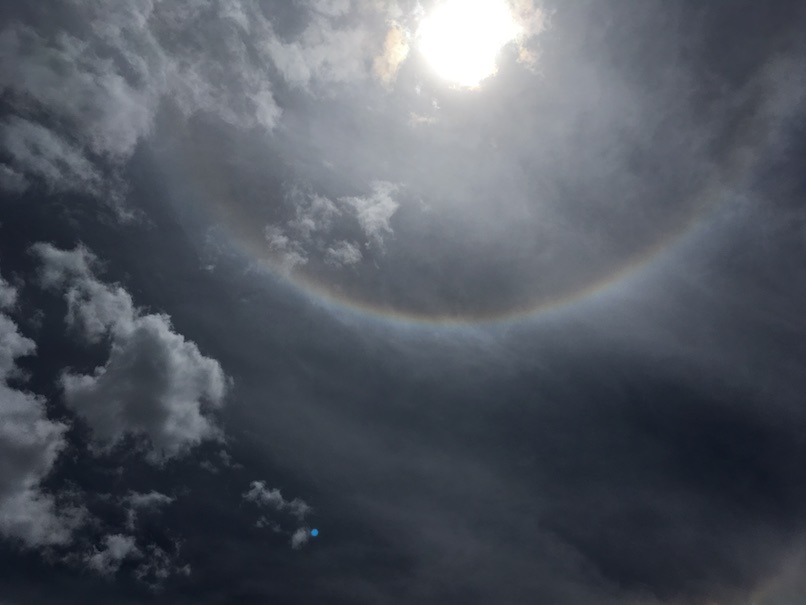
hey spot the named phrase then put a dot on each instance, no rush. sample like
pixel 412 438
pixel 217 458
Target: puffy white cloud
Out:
pixel 116 549
pixel 374 211
pixel 29 446
pixel 155 385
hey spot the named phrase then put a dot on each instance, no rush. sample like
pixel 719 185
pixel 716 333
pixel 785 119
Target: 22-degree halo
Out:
pixel 238 228
pixel 222 209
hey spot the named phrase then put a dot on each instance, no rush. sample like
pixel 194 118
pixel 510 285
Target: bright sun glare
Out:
pixel 461 39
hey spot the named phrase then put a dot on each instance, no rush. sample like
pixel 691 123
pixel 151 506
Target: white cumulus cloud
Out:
pixel 155 385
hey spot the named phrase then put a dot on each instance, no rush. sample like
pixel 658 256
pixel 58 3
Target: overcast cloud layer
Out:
pixel 264 272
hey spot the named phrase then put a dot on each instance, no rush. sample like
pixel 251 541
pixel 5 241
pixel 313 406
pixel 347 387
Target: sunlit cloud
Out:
pixel 395 51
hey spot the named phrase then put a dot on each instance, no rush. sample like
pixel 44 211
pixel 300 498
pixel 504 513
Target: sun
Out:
pixel 461 39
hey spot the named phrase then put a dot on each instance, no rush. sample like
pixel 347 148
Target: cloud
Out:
pixel 330 8
pixel 83 101
pixel 93 308
pixel 272 498
pixel 117 548
pixel 313 214
pixel 301 239
pixel 41 154
pixel 290 252
pixel 12 181
pixel 395 51
pixel 532 20
pixel 343 253
pixel 312 234
pixel 323 52
pixel 30 443
pixel 158 566
pixel 137 503
pixel 155 385
pixel 374 211
pixel 300 538
pixel 149 500
pixel 151 563
pixel 8 294
pixel 225 460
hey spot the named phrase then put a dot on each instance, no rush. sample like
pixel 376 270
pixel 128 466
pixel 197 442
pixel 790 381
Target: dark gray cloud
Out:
pixel 272 499
pixel 116 549
pixel 29 444
pixel 137 503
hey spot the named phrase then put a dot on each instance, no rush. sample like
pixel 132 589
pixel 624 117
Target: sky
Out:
pixel 387 302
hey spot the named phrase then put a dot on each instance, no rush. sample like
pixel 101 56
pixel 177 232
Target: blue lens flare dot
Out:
pixel 314 532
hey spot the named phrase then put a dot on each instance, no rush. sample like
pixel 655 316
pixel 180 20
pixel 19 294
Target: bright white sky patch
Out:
pixel 461 39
